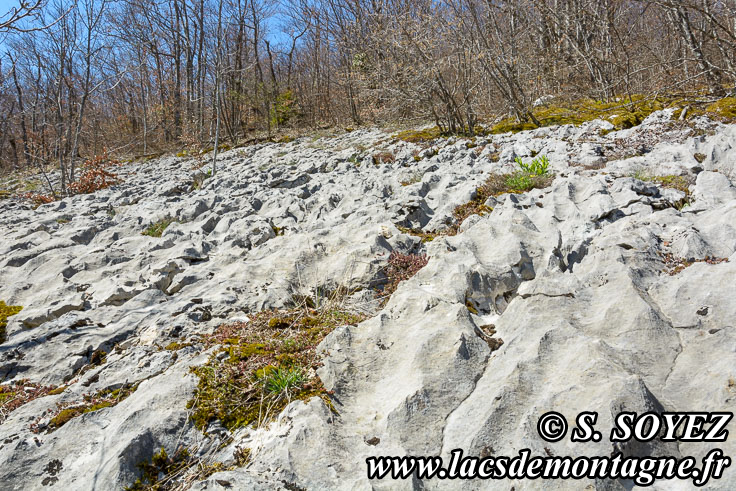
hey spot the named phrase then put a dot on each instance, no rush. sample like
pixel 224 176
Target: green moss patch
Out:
pixel 625 113
pixel 419 136
pixel 174 346
pixel 5 312
pixel 425 236
pixel 262 365
pixel 724 108
pixel 65 412
pixel 426 135
pixel 721 110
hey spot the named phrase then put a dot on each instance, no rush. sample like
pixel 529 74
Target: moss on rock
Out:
pixel 268 363
pixel 5 312
pixel 91 402
pixel 724 108
pixel 623 113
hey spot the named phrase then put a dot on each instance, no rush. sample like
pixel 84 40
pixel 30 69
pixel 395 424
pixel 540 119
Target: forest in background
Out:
pixel 137 77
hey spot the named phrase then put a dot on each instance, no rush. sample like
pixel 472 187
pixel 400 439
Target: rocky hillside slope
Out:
pixel 607 290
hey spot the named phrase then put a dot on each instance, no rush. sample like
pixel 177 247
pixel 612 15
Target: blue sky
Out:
pixel 275 33
pixel 6 5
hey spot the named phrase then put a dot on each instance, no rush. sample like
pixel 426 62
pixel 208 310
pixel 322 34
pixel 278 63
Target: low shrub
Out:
pixel 96 174
pixel 383 158
pixel 401 267
pixel 37 199
pixel 18 393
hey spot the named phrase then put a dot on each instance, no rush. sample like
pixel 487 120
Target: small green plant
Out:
pixel 157 229
pixel 520 183
pixel 284 380
pixel 537 167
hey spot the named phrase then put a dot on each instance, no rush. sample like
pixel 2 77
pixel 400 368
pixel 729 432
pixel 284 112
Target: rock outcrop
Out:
pixel 605 293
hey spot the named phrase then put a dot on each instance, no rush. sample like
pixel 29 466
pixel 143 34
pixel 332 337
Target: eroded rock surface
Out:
pixel 602 288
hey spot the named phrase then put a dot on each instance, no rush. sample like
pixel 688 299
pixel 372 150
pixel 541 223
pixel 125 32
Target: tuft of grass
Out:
pixel 519 183
pixel 284 380
pixel 680 183
pixel 178 471
pixel 160 467
pixel 157 229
